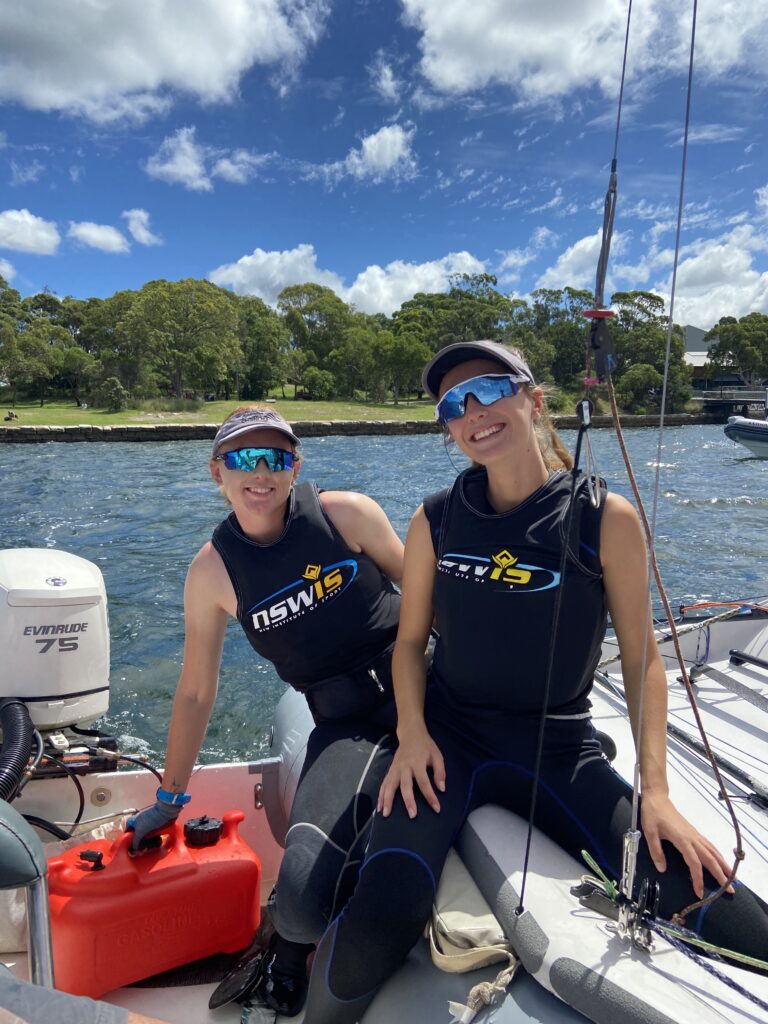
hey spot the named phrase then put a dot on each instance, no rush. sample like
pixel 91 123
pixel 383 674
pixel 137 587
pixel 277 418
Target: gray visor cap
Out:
pixel 463 351
pixel 251 419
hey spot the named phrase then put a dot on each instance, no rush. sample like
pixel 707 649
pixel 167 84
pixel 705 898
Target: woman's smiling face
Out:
pixel 260 491
pixel 485 431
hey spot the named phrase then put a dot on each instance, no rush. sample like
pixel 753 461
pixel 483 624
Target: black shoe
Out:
pixel 241 980
pixel 280 991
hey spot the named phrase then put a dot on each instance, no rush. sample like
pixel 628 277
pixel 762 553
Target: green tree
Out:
pixel 353 359
pixel 11 317
pixel 264 340
pixel 640 332
pixel 638 308
pixel 78 370
pixel 40 356
pixel 316 318
pixel 553 333
pixel 539 353
pixel 406 356
pixel 297 361
pixel 638 389
pixel 10 302
pixel 112 395
pixel 72 314
pixel 472 308
pixel 44 304
pixel 188 331
pixel 397 362
pixel 319 384
pixel 107 335
pixel 741 344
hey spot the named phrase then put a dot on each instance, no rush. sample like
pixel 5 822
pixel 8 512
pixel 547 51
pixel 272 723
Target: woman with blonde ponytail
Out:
pixel 488 561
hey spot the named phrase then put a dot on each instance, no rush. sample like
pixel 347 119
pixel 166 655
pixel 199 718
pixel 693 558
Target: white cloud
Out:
pixel 180 160
pixel 110 60
pixel 513 260
pixel 545 51
pixel 383 154
pixel 266 273
pixel 761 201
pixel 98 236
pixel 716 277
pixel 384 80
pixel 138 226
pixel 7 270
pixel 25 232
pixel 384 289
pixel 551 204
pixel 470 140
pixel 708 133
pixel 24 174
pixel 577 266
pixel 239 167
pixel 386 153
pixel 375 289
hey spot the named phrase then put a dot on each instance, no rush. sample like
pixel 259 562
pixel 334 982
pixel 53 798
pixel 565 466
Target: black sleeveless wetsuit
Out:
pixel 494 595
pixel 326 617
pixel 317 610
pixel 494 592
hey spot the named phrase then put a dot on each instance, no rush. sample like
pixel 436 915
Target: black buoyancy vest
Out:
pixel 307 603
pixel 496 580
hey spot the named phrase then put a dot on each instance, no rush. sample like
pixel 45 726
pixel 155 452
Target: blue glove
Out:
pixel 150 821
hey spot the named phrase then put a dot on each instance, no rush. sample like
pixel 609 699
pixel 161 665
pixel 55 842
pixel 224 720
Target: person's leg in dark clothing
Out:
pixel 331 816
pixel 584 804
pixel 329 826
pixel 391 904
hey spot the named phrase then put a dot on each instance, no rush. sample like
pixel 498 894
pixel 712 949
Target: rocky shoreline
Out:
pixel 18 434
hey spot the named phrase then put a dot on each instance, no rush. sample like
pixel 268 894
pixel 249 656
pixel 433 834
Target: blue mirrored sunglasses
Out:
pixel 247 459
pixel 487 389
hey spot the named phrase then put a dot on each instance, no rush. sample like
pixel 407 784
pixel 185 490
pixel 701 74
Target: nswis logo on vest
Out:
pixel 317 584
pixel 501 571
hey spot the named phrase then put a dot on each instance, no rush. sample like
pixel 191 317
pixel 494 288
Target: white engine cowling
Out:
pixel 54 636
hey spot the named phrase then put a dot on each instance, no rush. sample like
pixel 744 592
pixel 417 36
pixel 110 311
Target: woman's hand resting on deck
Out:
pixel 416 754
pixel 660 819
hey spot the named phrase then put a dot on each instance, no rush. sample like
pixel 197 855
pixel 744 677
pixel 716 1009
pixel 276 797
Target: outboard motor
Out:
pixel 54 640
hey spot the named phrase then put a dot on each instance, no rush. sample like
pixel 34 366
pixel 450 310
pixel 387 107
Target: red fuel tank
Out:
pixel 118 918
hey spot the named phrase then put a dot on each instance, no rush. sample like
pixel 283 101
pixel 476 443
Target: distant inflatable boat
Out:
pixel 753 434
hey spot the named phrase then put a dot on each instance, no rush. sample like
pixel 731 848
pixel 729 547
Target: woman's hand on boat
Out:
pixel 416 755
pixel 150 822
pixel 661 820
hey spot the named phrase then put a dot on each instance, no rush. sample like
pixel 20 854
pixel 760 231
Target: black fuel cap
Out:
pixel 202 831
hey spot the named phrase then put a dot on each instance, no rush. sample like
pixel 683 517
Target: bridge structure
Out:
pixel 725 402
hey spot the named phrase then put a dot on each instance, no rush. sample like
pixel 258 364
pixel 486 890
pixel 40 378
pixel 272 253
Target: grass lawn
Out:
pixel 64 414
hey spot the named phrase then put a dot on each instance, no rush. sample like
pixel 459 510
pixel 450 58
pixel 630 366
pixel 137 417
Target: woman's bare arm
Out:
pixel 365 527
pixel 417 752
pixel 206 592
pixel 625 573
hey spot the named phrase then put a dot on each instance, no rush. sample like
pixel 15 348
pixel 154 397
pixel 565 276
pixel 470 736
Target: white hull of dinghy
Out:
pixel 753 434
pixel 570 950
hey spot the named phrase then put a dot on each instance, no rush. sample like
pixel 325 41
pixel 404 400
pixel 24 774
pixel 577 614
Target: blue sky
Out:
pixel 377 146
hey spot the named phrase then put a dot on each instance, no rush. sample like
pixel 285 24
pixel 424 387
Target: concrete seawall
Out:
pixel 304 428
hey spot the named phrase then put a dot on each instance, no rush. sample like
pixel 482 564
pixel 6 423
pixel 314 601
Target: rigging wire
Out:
pixel 649 528
pixel 549 673
pixel 583 436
